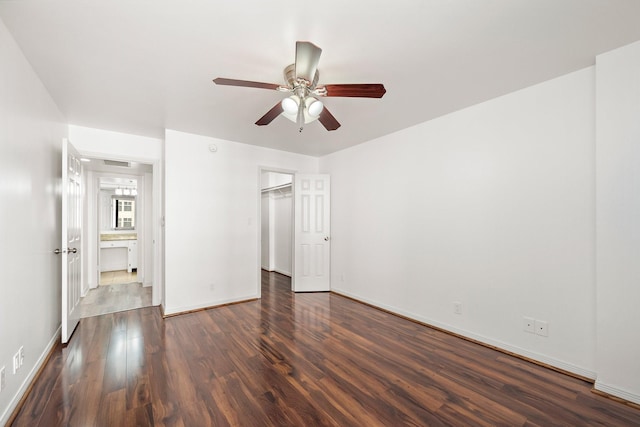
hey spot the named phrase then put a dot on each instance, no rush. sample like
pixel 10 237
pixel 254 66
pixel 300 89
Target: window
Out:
pixel 124 212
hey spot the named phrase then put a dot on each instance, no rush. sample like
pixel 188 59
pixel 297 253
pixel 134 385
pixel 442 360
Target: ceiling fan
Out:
pixel 301 79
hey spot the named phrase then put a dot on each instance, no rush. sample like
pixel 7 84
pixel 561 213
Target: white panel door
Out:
pixel 312 225
pixel 71 232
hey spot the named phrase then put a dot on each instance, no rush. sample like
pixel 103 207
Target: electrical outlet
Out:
pixel 3 380
pixel 16 362
pixel 528 324
pixel 457 307
pixel 21 353
pixel 542 328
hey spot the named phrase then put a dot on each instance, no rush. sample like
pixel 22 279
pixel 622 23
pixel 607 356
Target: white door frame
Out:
pixel 157 239
pixel 262 169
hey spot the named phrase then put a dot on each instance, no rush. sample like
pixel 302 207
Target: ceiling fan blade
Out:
pixel 271 114
pixel 363 90
pixel 245 83
pixel 307 58
pixel 327 120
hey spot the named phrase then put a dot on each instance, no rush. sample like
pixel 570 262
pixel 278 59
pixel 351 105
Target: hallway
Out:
pixel 114 297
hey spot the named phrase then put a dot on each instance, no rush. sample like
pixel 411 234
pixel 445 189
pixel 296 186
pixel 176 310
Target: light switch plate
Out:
pixel 16 362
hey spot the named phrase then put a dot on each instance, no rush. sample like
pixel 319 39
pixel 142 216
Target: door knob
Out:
pixel 326 238
pixel 65 251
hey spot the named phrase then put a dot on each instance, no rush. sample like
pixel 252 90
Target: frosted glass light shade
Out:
pixel 310 112
pixel 290 104
pixel 314 107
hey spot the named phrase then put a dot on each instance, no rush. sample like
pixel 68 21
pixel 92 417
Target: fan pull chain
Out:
pixel 300 118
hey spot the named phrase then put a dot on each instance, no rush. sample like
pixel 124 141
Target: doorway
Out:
pixel 118 201
pixel 276 221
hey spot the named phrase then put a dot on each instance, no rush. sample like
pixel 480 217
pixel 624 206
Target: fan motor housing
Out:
pixel 293 82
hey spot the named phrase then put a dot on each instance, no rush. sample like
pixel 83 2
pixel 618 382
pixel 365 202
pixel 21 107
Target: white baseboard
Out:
pixel 13 403
pixel 560 364
pixel 284 273
pixel 617 392
pixel 170 311
pixel 277 270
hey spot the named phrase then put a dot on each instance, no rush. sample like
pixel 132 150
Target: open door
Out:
pixel 312 231
pixel 71 234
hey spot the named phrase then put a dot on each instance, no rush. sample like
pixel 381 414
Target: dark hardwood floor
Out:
pixel 312 359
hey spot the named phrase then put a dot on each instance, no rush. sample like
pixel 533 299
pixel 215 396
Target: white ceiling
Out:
pixel 142 66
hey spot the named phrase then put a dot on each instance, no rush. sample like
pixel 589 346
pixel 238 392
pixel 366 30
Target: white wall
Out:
pixel 282 231
pixel 90 211
pixel 277 179
pixel 212 210
pixel 115 145
pixel 265 233
pixel 618 222
pixel 31 132
pixel 491 206
pixel 147 250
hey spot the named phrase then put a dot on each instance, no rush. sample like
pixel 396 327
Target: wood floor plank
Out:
pixel 140 416
pixel 312 359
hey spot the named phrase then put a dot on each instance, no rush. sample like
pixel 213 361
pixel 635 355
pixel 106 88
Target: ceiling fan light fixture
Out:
pixel 290 104
pixel 311 109
pixel 314 107
pixel 301 80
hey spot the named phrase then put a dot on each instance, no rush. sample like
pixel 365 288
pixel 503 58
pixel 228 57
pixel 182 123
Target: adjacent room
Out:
pixel 343 213
pixel 117 216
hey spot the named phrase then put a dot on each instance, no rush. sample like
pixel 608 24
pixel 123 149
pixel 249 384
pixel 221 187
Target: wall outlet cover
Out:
pixel 542 328
pixel 457 307
pixel 528 324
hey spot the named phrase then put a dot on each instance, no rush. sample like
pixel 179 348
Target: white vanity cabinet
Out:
pixel 133 255
pixel 118 255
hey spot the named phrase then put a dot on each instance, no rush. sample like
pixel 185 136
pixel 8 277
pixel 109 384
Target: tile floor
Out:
pixel 115 277
pixel 118 291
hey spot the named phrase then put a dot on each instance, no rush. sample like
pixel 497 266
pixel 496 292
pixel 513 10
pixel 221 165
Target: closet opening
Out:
pixel 276 218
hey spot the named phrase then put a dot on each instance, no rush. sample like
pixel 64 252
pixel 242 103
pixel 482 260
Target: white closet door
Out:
pixel 312 225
